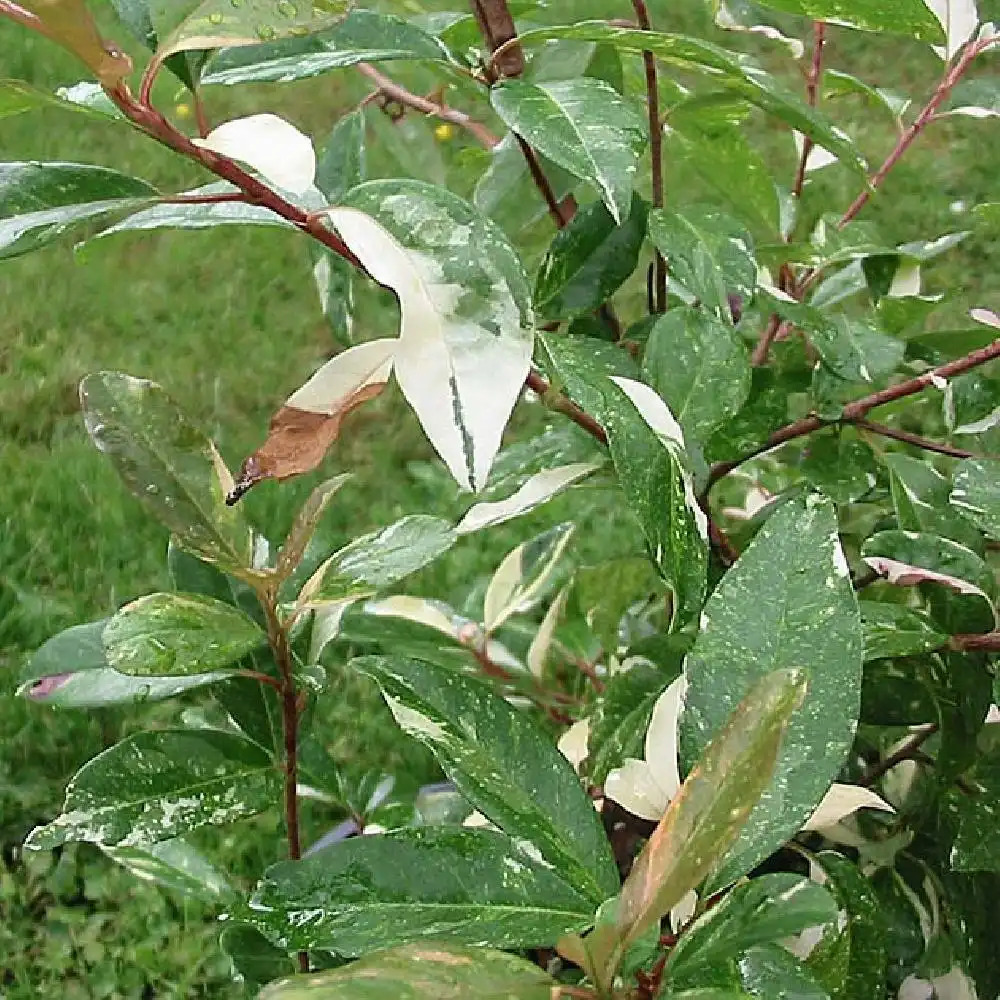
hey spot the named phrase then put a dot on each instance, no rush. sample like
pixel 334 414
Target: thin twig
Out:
pixel 859 409
pixel 556 210
pixel 408 99
pixel 915 439
pixel 565 406
pixel 203 199
pixel 813 78
pixel 988 642
pixel 905 752
pixel 655 151
pixel 759 354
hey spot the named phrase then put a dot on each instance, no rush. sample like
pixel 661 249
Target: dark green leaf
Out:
pixel 157 785
pixel 446 883
pixel 893 630
pixel 176 865
pixel 764 910
pixel 904 938
pixel 977 846
pixel 255 960
pixel 41 201
pixel 840 466
pixel 710 253
pixel 650 468
pixel 363 36
pixel 18 96
pixel 768 971
pixel 589 260
pixel 191 575
pixel 976 493
pixel 423 972
pixel 503 764
pixel 585 126
pixel 254 707
pixel 168 464
pixel 699 365
pixel 172 635
pixel 788 602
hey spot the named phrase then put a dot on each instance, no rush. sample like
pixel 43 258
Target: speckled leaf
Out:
pixel 977 846
pixel 788 602
pixel 618 727
pixel 168 464
pixel 41 201
pixel 176 865
pixel 976 493
pixel 767 971
pixel 704 819
pixel 305 524
pixel 766 909
pixel 700 367
pixel 652 474
pixel 185 25
pixel 521 578
pixel 504 764
pixel 724 68
pixel 172 635
pixel 909 558
pixel 467 327
pixel 196 216
pixel 363 36
pixel 70 671
pixel 865 924
pixel 423 972
pixel 708 252
pixel 900 17
pixel 19 96
pixel 380 559
pixel 589 260
pixel 840 465
pixel 892 630
pixel 585 126
pixel 920 496
pixel 157 785
pixel 449 883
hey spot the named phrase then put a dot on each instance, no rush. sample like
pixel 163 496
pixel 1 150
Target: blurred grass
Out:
pixel 229 322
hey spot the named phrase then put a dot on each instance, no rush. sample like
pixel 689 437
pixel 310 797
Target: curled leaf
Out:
pixel 309 422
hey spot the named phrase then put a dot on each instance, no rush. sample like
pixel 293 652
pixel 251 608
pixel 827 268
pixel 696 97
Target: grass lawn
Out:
pixel 230 323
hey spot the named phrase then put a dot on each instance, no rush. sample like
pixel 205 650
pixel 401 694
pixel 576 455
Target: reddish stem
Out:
pixel 915 439
pixel 813 78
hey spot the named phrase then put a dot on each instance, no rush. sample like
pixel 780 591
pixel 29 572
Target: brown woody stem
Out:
pixel 565 406
pixel 813 78
pixel 915 439
pixel 988 642
pixel 905 752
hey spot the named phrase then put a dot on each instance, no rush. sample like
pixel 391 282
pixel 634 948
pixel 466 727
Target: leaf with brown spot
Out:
pixel 304 428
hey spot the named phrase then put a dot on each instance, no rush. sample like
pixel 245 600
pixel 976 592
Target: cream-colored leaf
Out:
pixel 344 375
pixel 959 18
pixel 276 149
pixel 433 614
pixel 985 316
pixel 573 743
pixel 538 651
pixel 326 626
pixel 634 788
pixel 661 737
pixel 540 487
pixel 683 911
pixel 841 801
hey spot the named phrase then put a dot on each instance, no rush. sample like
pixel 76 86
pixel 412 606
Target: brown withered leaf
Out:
pixel 69 24
pixel 296 442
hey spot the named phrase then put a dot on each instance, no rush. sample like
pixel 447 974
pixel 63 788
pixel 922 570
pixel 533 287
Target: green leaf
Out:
pixel 589 260
pixel 585 126
pixel 976 846
pixel 900 17
pixel 136 15
pixel 865 924
pixel 174 635
pixel 168 464
pixel 770 971
pixel 705 817
pixel 521 578
pixel 700 366
pixel 18 96
pixel 761 911
pixel 976 493
pixel 305 524
pixel 710 253
pixel 363 36
pixel 787 603
pixel 892 630
pixel 255 960
pixel 184 25
pixel 423 972
pixel 41 201
pixel 840 465
pixel 650 467
pixel 157 785
pixel 449 883
pixel 380 559
pixel 176 865
pixel 504 764
pixel 471 350
pixel 920 495
pixel 196 216
pixel 70 671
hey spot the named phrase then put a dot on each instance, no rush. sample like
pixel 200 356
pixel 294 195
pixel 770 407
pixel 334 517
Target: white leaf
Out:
pixel 841 801
pixel 905 282
pixel 540 487
pixel 344 375
pixel 985 316
pixel 633 787
pixel 683 911
pixel 959 18
pixel 818 157
pixel 276 149
pixel 992 715
pixel 326 626
pixel 538 651
pixel 433 614
pixel 573 743
pixel 661 737
pixel 461 379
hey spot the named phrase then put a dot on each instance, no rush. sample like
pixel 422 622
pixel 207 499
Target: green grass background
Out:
pixel 229 322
